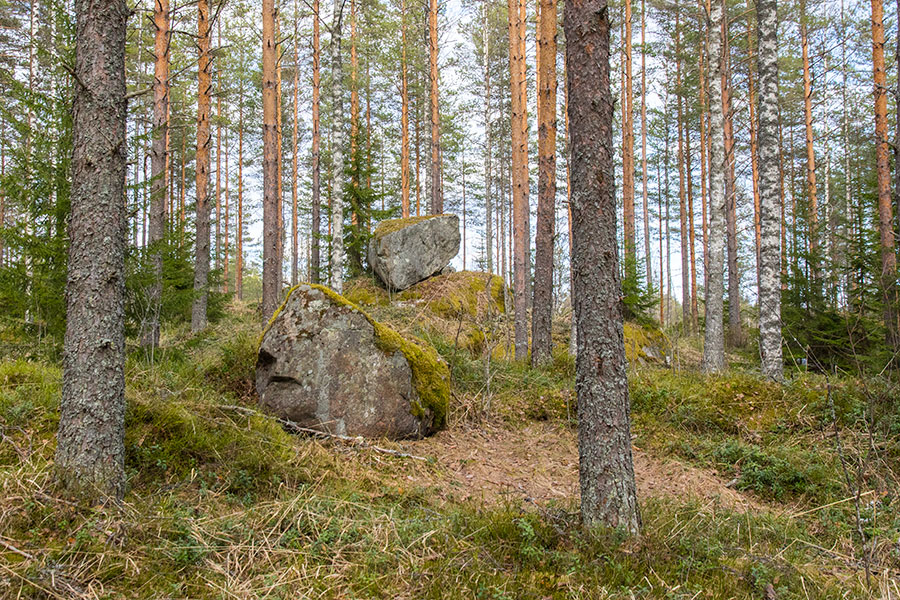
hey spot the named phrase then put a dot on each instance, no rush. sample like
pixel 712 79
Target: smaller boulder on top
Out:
pixel 403 252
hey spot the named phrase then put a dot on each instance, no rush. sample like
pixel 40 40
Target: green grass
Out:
pixel 223 504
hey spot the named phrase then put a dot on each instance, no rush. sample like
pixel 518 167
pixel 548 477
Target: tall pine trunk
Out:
pixel 437 193
pixel 519 128
pixel 714 338
pixel 295 182
pixel 628 150
pixel 606 470
pixel 769 192
pixel 546 216
pixel 813 202
pixel 201 245
pixel 885 218
pixel 158 167
pixel 337 177
pixel 90 451
pixel 488 150
pixel 315 232
pixel 644 168
pixel 271 200
pixel 404 118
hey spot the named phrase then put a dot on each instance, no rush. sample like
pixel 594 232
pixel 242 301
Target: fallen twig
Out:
pixel 356 441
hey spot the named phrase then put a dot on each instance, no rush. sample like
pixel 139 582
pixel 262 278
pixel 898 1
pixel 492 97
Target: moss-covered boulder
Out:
pixel 326 364
pixel 403 252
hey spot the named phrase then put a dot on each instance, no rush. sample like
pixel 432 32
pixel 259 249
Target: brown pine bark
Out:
pixel 279 145
pixel 628 150
pixel 271 200
pixel 810 152
pixel 437 192
pixel 90 451
pixel 201 244
pixel 519 172
pixel 606 470
pixel 295 226
pixel 541 340
pixel 644 169
pixel 315 233
pixel 218 162
pixel 404 117
pixel 239 231
pixel 682 181
pixel 227 243
pixel 885 218
pixel 159 184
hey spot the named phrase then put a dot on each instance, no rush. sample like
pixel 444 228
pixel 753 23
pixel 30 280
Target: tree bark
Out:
pixel 90 452
pixel 519 130
pixel 885 217
pixel 682 182
pixel 315 233
pixel 735 328
pixel 810 151
pixel 271 200
pixel 239 230
pixel 337 191
pixel 437 193
pixel 488 151
pixel 644 168
pixel 158 168
pixel 714 339
pixel 542 313
pixel 606 470
pixel 201 245
pixel 404 117
pixel 769 192
pixel 295 182
pixel 628 151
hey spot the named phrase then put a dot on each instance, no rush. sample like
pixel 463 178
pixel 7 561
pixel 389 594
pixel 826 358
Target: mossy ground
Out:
pixel 222 504
pixel 392 225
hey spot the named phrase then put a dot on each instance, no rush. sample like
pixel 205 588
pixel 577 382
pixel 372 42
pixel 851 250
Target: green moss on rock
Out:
pixel 431 376
pixel 460 293
pixel 392 225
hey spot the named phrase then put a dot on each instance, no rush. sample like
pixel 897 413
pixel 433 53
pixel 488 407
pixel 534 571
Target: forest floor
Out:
pixel 747 489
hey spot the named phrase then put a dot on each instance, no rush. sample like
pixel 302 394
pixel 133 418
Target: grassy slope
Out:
pixel 225 505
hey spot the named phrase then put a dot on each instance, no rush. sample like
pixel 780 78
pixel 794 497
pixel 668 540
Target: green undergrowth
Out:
pixel 222 502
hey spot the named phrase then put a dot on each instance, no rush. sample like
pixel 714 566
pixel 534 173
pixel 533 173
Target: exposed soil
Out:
pixel 540 462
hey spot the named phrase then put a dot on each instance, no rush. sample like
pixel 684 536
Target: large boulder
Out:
pixel 325 364
pixel 403 252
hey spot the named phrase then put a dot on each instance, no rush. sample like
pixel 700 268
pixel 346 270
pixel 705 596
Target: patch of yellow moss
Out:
pixel 431 376
pixel 637 338
pixel 458 294
pixel 392 225
pixel 363 291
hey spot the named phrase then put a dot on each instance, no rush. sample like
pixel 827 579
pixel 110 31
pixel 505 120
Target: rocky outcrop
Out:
pixel 325 364
pixel 403 252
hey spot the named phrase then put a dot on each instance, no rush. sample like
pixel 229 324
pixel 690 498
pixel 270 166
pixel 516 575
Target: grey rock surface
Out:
pixel 319 365
pixel 403 252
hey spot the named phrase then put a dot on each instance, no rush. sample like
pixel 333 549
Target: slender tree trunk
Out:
pixel 295 182
pixel 691 236
pixel 158 166
pixel 714 339
pixel 573 326
pixel 644 169
pixel 337 191
pixel 769 192
pixel 315 234
pixel 628 151
pixel 608 496
pixel 754 154
pixel 90 451
pixel 735 329
pixel 279 160
pixel 271 200
pixel 488 151
pixel 704 145
pixel 201 246
pixel 218 158
pixel 437 194
pixel 239 231
pixel 519 128
pixel 682 182
pixel 404 118
pixel 541 339
pixel 885 218
pixel 225 248
pixel 810 153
